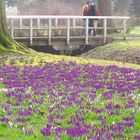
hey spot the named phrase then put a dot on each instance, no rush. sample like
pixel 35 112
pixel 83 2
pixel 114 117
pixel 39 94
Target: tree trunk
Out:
pixel 105 7
pixel 7 44
pixel 3 32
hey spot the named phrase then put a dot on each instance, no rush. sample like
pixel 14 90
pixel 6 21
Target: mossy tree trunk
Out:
pixel 7 44
pixel 4 41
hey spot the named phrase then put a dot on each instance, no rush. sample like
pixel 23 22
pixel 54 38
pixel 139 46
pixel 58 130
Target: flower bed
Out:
pixel 71 101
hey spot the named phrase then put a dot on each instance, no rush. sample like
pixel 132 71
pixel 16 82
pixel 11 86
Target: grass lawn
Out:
pixel 45 96
pixel 122 51
pixel 135 31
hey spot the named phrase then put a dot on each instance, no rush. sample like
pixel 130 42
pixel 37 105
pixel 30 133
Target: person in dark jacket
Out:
pixel 91 12
pixel 89 9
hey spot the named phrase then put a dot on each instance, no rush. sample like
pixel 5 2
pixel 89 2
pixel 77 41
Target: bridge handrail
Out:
pixel 68 18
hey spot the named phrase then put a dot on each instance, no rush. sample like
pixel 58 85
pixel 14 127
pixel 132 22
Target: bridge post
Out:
pixel 31 31
pixel 50 31
pixel 105 30
pixel 56 22
pixel 20 24
pixel 38 22
pixel 68 31
pixel 87 21
pixel 124 29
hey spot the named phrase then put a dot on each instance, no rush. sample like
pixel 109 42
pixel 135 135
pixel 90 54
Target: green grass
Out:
pixel 122 51
pixel 12 134
pixel 7 133
pixel 33 59
pixel 121 45
pixel 41 58
pixel 135 30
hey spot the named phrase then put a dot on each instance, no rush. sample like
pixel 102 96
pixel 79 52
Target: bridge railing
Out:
pixel 53 24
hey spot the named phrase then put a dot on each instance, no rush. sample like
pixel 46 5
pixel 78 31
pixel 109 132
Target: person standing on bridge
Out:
pixel 89 9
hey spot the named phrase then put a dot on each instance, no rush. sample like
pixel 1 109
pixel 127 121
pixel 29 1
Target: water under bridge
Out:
pixel 64 32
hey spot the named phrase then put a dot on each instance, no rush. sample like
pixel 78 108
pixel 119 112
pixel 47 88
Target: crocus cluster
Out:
pixel 72 100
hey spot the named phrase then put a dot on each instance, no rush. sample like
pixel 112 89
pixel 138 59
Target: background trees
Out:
pixel 105 7
pixel 63 7
pixel 137 7
pixel 7 44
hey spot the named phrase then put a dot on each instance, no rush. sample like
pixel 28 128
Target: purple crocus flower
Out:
pixel 136 137
pixel 76 131
pixel 46 131
pixel 109 136
pixel 4 120
pixel 109 106
pixel 58 130
pixel 117 106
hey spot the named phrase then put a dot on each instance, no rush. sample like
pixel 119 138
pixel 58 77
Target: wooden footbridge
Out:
pixel 63 32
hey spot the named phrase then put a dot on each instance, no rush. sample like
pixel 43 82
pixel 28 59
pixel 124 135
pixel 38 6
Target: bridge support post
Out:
pixel 20 24
pixel 68 31
pixel 38 23
pixel 124 29
pixel 86 41
pixel 50 31
pixel 105 30
pixel 56 22
pixel 31 31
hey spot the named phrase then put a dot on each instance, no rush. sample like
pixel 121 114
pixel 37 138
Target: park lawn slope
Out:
pixel 122 51
pixel 68 100
pixel 40 59
pixel 50 82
